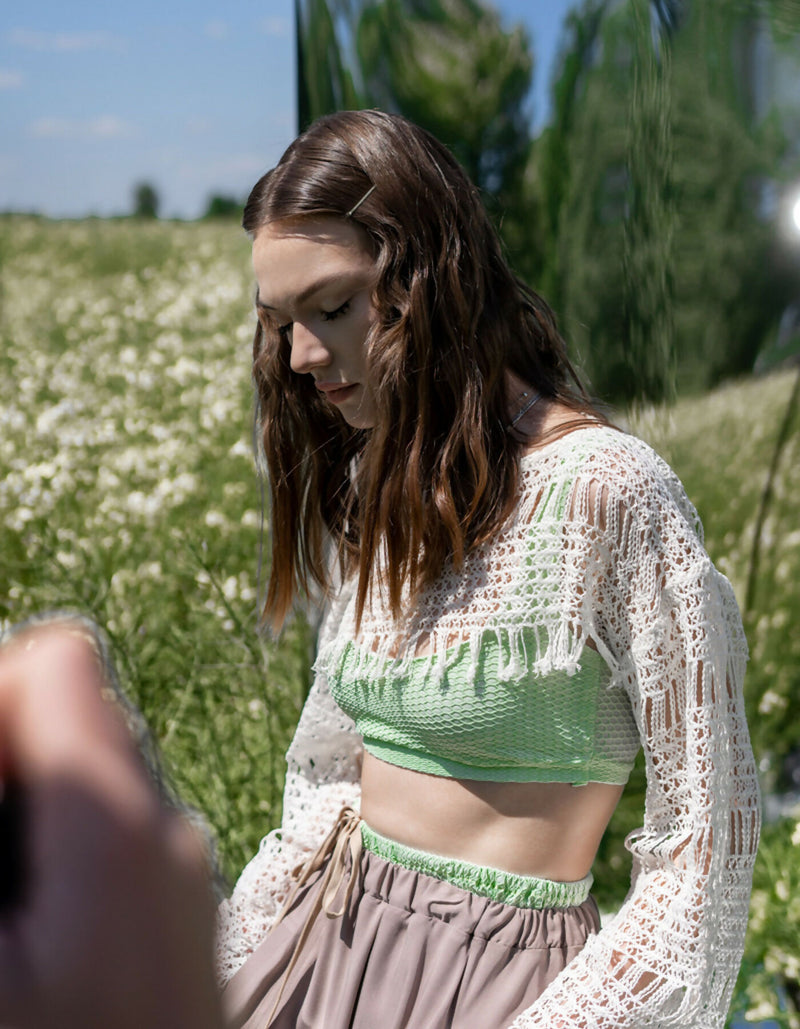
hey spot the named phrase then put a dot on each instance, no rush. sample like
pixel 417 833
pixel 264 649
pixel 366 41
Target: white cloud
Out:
pixel 63 42
pixel 106 126
pixel 276 26
pixel 10 79
pixel 216 29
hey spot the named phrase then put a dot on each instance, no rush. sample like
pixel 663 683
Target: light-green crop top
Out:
pixel 469 723
pixel 519 696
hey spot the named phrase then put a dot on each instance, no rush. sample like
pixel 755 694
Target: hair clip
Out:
pixel 358 204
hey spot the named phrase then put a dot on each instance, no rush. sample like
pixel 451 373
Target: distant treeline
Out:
pixel 147 202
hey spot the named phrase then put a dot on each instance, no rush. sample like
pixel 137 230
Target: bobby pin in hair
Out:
pixel 358 203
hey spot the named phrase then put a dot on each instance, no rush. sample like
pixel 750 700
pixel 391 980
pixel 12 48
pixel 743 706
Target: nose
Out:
pixel 309 352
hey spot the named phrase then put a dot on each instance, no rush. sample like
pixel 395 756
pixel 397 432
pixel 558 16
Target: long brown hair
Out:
pixel 438 474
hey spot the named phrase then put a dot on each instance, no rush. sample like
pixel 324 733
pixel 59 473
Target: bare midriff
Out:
pixel 550 830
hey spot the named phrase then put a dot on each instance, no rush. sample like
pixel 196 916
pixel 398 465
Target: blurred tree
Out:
pixel 640 211
pixel 145 200
pixel 451 67
pixel 550 173
pixel 220 206
pixel 785 17
pixel 670 13
pixel 665 165
pixel 586 210
pixel 730 283
pixel 325 75
pixel 649 221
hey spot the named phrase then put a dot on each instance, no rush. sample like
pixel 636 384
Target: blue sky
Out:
pixel 195 96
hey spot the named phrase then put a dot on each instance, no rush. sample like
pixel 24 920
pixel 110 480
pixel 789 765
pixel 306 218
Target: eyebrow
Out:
pixel 304 294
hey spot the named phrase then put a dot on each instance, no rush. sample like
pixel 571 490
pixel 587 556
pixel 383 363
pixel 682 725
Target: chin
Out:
pixel 359 418
pixel 359 422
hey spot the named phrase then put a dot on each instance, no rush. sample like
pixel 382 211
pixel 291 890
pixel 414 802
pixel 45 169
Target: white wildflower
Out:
pixel 230 588
pixel 143 504
pixel 256 708
pixel 240 449
pixel 762 1011
pixel 771 701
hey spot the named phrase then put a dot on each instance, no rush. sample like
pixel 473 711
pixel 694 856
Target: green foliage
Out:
pixel 145 200
pixel 127 490
pixel 769 981
pixel 785 17
pixel 325 80
pixel 224 207
pixel 550 171
pixel 448 65
pixel 451 67
pixel 730 284
pixel 640 210
pixel 647 259
pixel 657 225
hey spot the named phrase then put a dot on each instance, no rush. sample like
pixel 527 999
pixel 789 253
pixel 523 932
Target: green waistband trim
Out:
pixel 523 891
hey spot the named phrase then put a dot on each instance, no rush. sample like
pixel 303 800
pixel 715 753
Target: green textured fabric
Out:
pixel 470 720
pixel 523 891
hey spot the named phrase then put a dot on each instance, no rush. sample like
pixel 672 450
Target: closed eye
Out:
pixel 330 316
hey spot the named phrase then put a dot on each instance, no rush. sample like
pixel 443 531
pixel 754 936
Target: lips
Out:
pixel 337 392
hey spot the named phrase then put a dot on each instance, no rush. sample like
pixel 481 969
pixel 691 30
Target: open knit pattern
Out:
pixel 506 689
pixel 618 564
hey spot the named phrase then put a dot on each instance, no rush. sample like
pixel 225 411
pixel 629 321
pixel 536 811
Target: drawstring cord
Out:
pixel 344 838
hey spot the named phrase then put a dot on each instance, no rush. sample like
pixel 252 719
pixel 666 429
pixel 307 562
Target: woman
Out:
pixel 517 599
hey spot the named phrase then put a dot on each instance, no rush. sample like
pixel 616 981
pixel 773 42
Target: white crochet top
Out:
pixel 624 568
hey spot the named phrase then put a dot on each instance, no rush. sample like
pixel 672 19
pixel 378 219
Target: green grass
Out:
pixel 127 491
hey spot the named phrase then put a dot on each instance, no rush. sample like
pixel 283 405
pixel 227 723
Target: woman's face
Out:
pixel 315 279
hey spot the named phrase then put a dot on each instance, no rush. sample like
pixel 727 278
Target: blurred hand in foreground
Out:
pixel 112 925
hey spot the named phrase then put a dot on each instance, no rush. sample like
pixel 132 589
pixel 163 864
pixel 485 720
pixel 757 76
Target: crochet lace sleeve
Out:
pixel 639 583
pixel 323 775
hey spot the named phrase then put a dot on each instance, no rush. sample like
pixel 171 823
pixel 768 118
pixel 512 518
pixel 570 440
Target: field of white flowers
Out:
pixel 127 491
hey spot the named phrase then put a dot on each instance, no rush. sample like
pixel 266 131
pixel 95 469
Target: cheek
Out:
pixel 360 328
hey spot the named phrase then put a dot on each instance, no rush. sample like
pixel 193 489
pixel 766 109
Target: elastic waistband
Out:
pixel 524 891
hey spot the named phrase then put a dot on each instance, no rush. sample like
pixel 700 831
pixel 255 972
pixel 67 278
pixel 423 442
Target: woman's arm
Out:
pixel 323 776
pixel 642 585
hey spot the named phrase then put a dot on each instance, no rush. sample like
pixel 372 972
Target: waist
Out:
pixel 524 891
pixel 549 830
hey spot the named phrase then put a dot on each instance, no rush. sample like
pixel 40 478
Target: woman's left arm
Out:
pixel 667 622
pixel 323 775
